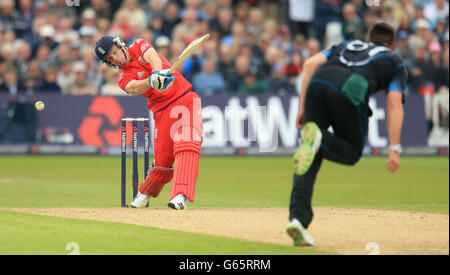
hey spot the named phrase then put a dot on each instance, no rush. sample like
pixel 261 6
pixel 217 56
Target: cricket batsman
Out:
pixel 335 90
pixel 176 111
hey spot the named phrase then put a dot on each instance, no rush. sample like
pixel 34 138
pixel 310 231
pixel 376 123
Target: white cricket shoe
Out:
pixel 299 234
pixel 178 202
pixel 140 200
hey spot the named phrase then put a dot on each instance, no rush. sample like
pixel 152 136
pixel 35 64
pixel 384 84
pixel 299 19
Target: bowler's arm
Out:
pixel 394 116
pixel 394 123
pixel 310 67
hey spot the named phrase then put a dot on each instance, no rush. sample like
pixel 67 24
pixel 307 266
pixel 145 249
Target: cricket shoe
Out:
pixel 140 200
pixel 178 203
pixel 299 234
pixel 310 144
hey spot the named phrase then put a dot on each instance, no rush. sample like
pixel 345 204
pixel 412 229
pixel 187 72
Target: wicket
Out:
pixel 135 176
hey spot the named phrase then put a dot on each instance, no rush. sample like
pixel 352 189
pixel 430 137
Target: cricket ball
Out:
pixel 39 105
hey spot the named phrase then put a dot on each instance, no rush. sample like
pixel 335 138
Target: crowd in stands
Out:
pixel 256 46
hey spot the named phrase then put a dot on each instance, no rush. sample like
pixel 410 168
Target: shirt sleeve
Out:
pixel 398 82
pixel 330 51
pixel 124 79
pixel 140 46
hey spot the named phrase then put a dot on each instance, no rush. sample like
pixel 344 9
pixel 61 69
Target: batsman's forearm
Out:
pixel 394 122
pixel 137 87
pixel 156 64
pixel 151 57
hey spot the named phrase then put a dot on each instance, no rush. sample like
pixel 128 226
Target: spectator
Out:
pixel 110 87
pixel 436 9
pixel 156 25
pixel 186 30
pixel 328 11
pixel 444 73
pixel 33 77
pixel 223 22
pixel 237 38
pixel 440 29
pixel 255 22
pixel 88 18
pixel 210 10
pixel 195 6
pixel 211 48
pixel 301 16
pixel 284 40
pixel 312 47
pixel 155 7
pixel 11 84
pixel 60 7
pixel 147 34
pixel 280 83
pixel 135 15
pixel 417 77
pixel 102 9
pixel 253 85
pixel 176 48
pixel 224 4
pixel 208 81
pixel 405 24
pixel 271 62
pixel 236 79
pixel 65 78
pixel 434 66
pixel 24 55
pixel 387 15
pixel 75 51
pixel 103 26
pixel 43 57
pixel 87 34
pixel 295 66
pixel 54 20
pixel 26 13
pixel 33 37
pixel 162 45
pixel 171 19
pixel 241 12
pixel 92 66
pixel 81 85
pixel 7 53
pixel 49 85
pixel 352 27
pixel 66 31
pixel 403 50
pixel 3 68
pixel 225 62
pixel 121 26
pixel 9 17
pixel 47 34
pixel 370 18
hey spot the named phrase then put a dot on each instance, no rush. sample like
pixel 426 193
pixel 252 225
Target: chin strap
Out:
pixel 121 44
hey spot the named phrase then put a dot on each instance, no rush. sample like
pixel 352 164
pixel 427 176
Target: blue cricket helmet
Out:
pixel 104 46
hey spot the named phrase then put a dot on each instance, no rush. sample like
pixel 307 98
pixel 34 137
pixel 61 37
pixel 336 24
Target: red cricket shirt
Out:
pixel 139 69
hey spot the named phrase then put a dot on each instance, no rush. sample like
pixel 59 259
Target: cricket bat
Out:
pixel 188 51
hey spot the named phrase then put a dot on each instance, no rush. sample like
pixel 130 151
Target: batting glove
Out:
pixel 161 80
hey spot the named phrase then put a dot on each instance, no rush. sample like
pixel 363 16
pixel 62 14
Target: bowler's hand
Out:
pixel 299 121
pixel 393 162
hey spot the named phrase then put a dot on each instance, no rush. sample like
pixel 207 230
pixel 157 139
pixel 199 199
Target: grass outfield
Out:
pixel 421 184
pixel 55 181
pixel 33 234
